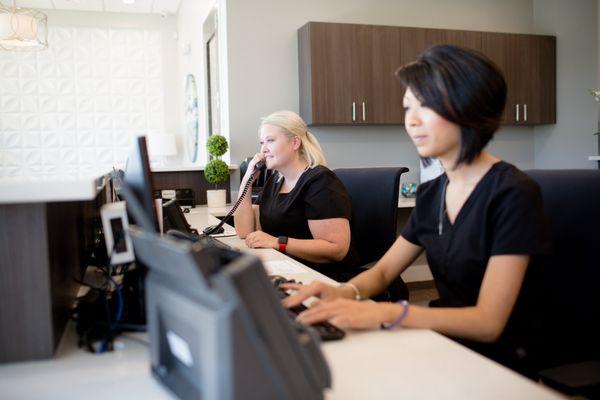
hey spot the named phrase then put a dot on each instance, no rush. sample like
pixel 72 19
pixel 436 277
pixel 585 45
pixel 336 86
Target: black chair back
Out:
pixel 571 276
pixel 374 194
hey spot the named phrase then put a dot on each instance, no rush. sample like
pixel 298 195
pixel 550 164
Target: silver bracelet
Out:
pixel 356 291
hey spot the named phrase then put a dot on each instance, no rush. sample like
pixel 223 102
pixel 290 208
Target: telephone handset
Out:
pixel 216 229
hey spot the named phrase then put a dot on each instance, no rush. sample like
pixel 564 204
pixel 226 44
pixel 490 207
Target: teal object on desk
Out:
pixel 409 189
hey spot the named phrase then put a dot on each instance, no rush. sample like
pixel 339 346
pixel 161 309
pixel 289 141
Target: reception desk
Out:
pixel 46 226
pixel 374 364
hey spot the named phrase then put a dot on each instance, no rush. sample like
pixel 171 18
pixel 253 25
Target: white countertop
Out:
pixel 37 189
pixel 373 364
pixel 594 158
pixel 406 202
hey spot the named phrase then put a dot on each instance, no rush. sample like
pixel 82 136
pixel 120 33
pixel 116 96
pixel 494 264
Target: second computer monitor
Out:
pixel 138 181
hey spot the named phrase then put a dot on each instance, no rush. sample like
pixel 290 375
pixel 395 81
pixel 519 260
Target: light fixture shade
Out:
pixel 22 29
pixel 162 145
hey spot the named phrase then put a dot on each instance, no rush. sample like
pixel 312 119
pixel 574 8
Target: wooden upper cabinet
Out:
pixel 347 71
pixel 325 70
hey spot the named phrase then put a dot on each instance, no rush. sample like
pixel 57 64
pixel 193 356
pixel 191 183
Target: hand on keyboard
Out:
pixel 338 307
pixel 302 292
pixel 326 330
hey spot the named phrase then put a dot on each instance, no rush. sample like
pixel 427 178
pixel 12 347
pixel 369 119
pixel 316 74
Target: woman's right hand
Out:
pixel 316 288
pixel 252 164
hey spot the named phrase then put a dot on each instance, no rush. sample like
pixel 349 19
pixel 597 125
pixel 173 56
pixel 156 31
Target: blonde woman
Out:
pixel 303 209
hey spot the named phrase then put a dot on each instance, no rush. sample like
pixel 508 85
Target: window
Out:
pixel 213 108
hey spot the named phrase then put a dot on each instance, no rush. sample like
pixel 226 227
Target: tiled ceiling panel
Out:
pixel 78 5
pixel 140 6
pixel 170 6
pixel 47 4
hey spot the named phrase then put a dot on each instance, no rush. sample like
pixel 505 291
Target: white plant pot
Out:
pixel 216 198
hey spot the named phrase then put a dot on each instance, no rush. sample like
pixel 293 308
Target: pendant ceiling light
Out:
pixel 22 29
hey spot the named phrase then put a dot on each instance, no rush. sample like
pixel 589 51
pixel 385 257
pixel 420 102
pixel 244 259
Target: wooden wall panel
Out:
pixel 187 180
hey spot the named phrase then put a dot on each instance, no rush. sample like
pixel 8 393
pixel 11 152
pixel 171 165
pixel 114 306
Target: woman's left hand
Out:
pixel 349 314
pixel 261 240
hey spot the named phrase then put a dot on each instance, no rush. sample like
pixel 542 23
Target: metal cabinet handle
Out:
pixel 353 111
pixel 524 112
pixel 517 113
pixel 363 111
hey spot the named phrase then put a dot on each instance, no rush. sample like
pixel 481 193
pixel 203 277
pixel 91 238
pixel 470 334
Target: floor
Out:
pixel 422 292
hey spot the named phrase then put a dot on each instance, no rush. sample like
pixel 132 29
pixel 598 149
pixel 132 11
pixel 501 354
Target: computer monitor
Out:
pixel 137 187
pixel 217 328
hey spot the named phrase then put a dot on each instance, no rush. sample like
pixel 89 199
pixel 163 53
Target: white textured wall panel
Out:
pixel 74 108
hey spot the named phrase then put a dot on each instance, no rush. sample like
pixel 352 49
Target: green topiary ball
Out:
pixel 216 145
pixel 216 171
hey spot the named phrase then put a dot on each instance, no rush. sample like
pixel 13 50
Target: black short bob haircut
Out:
pixel 462 86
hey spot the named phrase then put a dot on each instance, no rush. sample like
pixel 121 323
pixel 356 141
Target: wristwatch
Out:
pixel 282 240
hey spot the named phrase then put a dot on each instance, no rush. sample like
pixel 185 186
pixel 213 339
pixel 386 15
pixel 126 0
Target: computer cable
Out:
pixel 113 325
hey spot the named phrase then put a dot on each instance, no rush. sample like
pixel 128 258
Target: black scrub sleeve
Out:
pixel 428 195
pixel 326 197
pixel 410 229
pixel 518 221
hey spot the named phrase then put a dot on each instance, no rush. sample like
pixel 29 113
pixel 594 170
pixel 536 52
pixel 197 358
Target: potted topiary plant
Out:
pixel 216 170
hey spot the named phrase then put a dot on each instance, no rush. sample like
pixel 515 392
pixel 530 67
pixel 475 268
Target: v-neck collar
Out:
pixel 469 202
pixel 280 183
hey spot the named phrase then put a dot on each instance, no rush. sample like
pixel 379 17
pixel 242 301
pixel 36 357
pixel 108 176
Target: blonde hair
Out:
pixel 293 125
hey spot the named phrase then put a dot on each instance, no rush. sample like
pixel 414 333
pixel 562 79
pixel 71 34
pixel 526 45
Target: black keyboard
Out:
pixel 326 330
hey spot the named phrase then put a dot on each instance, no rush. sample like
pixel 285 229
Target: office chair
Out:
pixel 374 196
pixel 570 342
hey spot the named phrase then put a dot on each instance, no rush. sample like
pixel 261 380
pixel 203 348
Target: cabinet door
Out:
pixel 519 76
pixel 509 52
pixel 541 100
pixel 331 73
pixel 384 105
pixel 468 39
pixel 362 73
pixel 493 46
pixel 413 42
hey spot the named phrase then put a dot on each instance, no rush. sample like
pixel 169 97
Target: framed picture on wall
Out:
pixel 191 118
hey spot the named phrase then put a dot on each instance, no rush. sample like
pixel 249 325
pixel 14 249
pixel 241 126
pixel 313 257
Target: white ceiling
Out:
pixel 140 6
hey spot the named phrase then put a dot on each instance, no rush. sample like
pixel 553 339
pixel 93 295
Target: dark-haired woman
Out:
pixel 480 223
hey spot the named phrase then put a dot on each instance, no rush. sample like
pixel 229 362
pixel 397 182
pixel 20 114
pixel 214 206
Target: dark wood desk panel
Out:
pixel 43 250
pixel 188 180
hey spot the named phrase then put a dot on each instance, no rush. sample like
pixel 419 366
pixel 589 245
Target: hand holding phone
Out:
pixel 256 164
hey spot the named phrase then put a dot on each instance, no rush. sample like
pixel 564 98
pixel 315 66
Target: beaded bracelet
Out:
pixel 397 321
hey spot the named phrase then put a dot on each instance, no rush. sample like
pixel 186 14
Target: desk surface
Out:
pixel 32 189
pixel 408 363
